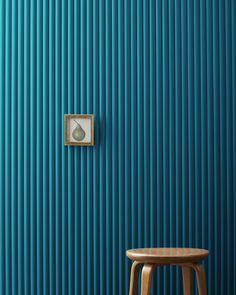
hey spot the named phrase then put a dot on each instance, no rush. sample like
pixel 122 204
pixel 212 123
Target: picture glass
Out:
pixel 79 130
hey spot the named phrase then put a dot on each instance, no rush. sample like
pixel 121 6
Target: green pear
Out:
pixel 78 133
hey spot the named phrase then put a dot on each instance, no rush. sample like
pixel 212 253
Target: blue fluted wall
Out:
pixel 160 77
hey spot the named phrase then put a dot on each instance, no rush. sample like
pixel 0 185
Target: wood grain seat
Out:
pixel 167 255
pixel 188 258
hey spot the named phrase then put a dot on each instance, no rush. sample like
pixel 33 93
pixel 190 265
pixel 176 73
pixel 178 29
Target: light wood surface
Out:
pixel 134 278
pixel 201 279
pixel 188 259
pixel 187 280
pixel 147 278
pixel 167 255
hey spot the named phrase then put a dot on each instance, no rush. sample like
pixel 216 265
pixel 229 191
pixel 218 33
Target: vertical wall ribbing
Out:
pixel 13 153
pixel 233 19
pixel 7 151
pixel 2 147
pixel 210 137
pixel 58 164
pixel 20 152
pixel 160 78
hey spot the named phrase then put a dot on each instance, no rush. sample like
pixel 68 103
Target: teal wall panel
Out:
pixel 160 77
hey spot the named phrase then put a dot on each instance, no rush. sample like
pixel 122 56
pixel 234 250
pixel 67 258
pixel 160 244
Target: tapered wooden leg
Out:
pixel 147 278
pixel 134 278
pixel 187 280
pixel 201 279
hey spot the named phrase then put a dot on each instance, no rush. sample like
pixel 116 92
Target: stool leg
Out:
pixel 147 278
pixel 187 280
pixel 201 279
pixel 134 278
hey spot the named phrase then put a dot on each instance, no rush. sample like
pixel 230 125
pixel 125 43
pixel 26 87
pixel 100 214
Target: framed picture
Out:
pixel 79 129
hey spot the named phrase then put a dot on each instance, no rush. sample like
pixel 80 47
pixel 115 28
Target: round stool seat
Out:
pixel 148 259
pixel 167 255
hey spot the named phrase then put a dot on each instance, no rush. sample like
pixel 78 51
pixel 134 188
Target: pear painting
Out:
pixel 78 133
pixel 79 129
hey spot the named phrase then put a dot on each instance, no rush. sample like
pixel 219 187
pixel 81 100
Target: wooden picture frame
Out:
pixel 79 129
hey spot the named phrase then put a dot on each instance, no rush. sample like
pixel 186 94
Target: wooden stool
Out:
pixel 189 259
